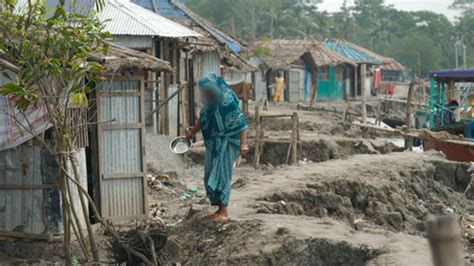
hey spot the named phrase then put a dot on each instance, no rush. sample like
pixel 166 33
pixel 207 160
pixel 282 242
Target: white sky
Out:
pixel 438 6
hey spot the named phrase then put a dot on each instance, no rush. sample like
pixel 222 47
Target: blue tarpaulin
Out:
pixel 350 53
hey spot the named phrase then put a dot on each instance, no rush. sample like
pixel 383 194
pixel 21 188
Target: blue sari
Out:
pixel 221 123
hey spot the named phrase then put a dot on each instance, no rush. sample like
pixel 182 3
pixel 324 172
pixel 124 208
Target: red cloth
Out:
pixel 391 88
pixel 377 79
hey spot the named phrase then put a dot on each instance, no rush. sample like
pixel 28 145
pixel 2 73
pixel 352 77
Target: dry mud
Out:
pixel 365 210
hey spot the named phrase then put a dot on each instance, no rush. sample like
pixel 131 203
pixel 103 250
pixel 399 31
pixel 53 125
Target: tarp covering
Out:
pixel 453 75
pixel 16 128
pixel 350 53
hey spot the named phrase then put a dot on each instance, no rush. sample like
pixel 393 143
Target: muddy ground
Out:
pixel 353 201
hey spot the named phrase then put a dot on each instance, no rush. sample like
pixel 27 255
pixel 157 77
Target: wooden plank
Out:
pixel 276 116
pixel 143 144
pixel 22 235
pixel 113 126
pixel 28 187
pixel 364 98
pixel 120 94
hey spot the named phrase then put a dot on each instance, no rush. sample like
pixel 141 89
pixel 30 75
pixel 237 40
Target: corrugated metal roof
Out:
pixel 350 53
pixel 127 18
pixel 177 11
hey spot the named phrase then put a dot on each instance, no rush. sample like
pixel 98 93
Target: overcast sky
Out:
pixel 438 6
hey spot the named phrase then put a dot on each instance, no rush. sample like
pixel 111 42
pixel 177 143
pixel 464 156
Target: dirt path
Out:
pixel 374 203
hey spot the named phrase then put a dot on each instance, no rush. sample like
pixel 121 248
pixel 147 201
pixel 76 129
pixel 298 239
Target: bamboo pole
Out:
pixel 408 139
pixel 93 245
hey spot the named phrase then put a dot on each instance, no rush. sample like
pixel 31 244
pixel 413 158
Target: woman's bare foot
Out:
pixel 220 217
pixel 214 215
pixel 222 214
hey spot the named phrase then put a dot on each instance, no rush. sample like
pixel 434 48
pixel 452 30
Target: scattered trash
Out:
pixel 185 197
pixel 193 190
pixel 303 162
pixel 200 194
pixel 282 202
pixel 448 210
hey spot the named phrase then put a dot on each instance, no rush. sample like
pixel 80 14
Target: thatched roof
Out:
pixel 284 53
pixel 120 58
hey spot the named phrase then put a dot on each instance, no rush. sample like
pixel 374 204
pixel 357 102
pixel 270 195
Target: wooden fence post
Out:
pixel 409 140
pixel 294 139
pixel 257 121
pixel 444 235
pixel 363 76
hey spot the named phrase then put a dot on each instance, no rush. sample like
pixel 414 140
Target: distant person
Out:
pixel 279 88
pixel 224 131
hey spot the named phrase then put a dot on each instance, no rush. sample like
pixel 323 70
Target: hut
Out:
pixel 110 153
pixel 369 63
pixel 215 51
pixel 136 27
pixel 304 63
pixel 365 64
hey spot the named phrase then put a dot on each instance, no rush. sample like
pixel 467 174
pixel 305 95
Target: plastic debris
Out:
pixel 185 197
pixel 193 190
pixel 303 162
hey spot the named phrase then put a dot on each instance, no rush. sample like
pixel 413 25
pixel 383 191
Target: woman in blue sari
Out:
pixel 224 131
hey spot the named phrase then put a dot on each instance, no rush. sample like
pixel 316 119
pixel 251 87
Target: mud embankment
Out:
pixel 401 203
pixel 246 243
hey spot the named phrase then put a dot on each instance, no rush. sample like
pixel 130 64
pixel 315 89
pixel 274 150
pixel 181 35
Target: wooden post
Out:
pixel 257 137
pixel 444 235
pixel 294 139
pixel 364 98
pixel 409 140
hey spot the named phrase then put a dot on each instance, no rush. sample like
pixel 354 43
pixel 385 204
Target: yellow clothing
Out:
pixel 279 87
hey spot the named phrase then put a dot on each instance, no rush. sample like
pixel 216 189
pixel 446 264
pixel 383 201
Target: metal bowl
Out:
pixel 180 145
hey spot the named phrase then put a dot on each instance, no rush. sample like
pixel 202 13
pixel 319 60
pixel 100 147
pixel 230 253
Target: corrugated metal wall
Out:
pixel 294 85
pixel 121 156
pixel 134 42
pixel 29 199
pixel 211 62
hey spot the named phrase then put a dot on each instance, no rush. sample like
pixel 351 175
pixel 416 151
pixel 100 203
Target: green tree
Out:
pixel 408 48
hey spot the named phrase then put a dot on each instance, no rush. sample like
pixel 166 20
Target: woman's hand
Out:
pixel 190 135
pixel 244 149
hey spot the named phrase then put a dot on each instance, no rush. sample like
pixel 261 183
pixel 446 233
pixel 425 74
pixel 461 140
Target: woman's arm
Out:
pixel 191 134
pixel 244 148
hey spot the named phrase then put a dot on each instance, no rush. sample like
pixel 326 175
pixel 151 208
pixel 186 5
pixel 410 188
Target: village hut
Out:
pixel 215 51
pixel 369 63
pixel 136 27
pixel 110 153
pixel 391 69
pixel 304 63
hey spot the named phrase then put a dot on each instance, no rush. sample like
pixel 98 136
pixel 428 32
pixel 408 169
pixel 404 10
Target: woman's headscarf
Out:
pixel 223 115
